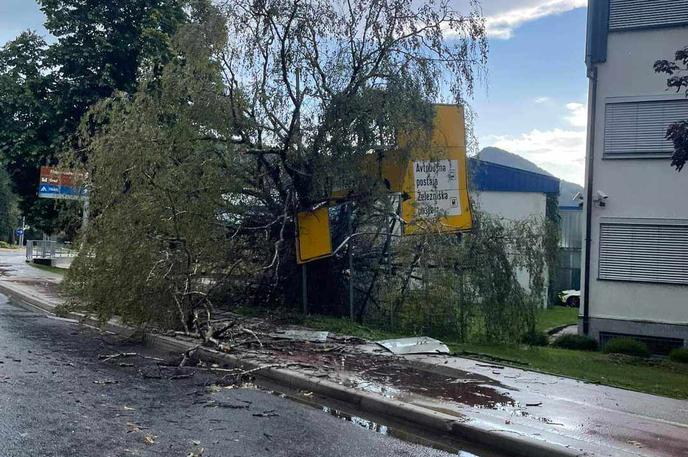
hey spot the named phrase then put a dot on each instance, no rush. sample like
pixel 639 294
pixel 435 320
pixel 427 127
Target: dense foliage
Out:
pixel 483 285
pixel 677 69
pixel 679 355
pixel 9 215
pixel 99 47
pixel 162 182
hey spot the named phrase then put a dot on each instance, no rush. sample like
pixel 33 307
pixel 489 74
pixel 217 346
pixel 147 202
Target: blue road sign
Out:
pixel 20 231
pixel 61 192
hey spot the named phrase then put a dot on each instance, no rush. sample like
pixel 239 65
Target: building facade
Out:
pixel 635 256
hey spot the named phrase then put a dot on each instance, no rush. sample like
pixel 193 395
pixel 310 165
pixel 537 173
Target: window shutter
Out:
pixel 644 253
pixel 633 14
pixel 638 129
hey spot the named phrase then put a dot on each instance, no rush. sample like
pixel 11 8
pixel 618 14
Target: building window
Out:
pixel 644 253
pixel 638 129
pixel 635 14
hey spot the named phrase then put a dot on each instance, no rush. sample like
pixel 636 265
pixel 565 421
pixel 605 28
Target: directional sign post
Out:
pixel 437 180
pixel 62 185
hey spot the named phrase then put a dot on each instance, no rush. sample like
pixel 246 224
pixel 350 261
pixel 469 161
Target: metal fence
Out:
pixel 47 249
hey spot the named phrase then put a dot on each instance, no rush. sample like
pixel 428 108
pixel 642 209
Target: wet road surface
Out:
pixel 58 398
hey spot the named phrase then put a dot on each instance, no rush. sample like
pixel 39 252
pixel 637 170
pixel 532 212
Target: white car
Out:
pixel 570 298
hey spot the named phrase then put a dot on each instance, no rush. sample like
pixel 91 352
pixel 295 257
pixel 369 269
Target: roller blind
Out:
pixel 638 129
pixel 644 253
pixel 633 14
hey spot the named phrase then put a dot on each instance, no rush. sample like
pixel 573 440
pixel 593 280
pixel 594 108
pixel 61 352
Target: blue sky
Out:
pixel 534 100
pixel 17 16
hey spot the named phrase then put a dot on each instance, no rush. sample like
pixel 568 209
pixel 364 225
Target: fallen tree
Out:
pixel 264 110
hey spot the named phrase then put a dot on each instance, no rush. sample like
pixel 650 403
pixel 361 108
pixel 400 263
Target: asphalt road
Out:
pixel 57 398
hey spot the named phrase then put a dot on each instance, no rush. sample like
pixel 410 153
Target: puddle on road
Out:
pixel 403 433
pixel 394 433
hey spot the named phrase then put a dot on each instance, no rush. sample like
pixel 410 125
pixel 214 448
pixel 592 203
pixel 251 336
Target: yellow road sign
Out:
pixel 314 240
pixel 436 179
pixel 431 174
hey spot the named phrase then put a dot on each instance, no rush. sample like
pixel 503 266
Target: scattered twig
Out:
pixel 219 404
pixel 181 376
pixel 264 367
pixel 187 355
pixel 254 335
pixel 108 357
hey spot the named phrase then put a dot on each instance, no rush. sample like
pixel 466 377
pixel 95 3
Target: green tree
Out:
pixel 28 121
pixel 100 47
pixel 9 215
pixel 162 180
pixel 677 69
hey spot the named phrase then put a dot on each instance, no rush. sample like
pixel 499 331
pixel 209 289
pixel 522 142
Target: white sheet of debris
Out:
pixel 414 345
pixel 302 335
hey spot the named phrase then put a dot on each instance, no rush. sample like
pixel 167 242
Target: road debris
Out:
pixel 269 413
pixel 219 404
pixel 312 336
pixel 414 345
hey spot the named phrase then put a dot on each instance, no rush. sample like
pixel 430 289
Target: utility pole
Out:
pixel 21 235
pixel 304 288
pixel 84 216
pixel 350 211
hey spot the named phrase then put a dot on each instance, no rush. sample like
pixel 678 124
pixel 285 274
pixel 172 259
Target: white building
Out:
pixel 635 267
pixel 513 194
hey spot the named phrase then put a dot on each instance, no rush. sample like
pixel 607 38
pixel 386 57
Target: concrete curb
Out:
pixel 483 434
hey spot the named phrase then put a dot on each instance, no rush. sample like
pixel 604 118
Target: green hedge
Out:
pixel 679 355
pixel 535 338
pixel 575 342
pixel 627 346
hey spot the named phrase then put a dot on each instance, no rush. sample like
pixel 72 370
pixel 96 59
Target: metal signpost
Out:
pixel 62 185
pixel 59 184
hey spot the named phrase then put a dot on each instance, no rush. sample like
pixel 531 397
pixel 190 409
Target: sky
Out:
pixel 533 101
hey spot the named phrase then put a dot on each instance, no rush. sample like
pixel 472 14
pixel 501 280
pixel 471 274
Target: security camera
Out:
pixel 601 198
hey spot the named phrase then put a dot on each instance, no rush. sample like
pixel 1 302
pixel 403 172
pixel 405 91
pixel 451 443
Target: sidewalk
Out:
pixel 482 402
pixel 30 281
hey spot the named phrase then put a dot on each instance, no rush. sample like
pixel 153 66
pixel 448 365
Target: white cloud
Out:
pixel 578 114
pixel 559 151
pixel 541 100
pixel 502 19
